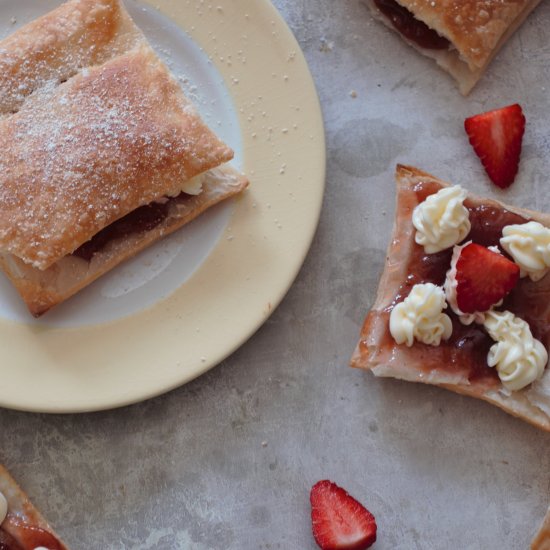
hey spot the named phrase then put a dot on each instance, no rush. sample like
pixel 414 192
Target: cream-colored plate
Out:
pixel 169 316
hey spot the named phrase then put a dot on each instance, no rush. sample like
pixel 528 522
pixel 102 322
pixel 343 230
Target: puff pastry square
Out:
pixel 459 364
pixel 475 30
pixel 93 127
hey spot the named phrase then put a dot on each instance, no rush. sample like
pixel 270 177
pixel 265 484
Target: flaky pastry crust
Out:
pixel 80 154
pixel 56 46
pixel 92 127
pixel 43 289
pixel 476 29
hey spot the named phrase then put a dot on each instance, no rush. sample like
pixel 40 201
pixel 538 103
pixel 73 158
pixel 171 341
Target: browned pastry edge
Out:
pixel 477 29
pixel 20 508
pixel 542 538
pixel 474 27
pixel 401 244
pixel 43 289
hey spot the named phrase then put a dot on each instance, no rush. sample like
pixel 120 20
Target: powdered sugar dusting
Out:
pixel 79 155
pixel 57 45
pixel 474 27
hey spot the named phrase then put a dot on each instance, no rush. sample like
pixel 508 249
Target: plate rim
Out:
pixel 55 338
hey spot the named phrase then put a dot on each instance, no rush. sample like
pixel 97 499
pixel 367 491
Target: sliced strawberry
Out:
pixel 496 137
pixel 483 278
pixel 339 521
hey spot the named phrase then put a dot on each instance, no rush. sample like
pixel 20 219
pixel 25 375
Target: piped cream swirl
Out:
pixel 529 245
pixel 420 317
pixel 518 357
pixel 442 220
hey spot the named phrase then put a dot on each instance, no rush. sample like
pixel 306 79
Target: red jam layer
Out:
pixel 410 27
pixel 30 536
pixel 468 346
pixel 144 218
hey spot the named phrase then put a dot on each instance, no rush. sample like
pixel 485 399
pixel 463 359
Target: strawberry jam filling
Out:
pixel 29 537
pixel 144 218
pixel 468 346
pixel 410 27
pixel 141 219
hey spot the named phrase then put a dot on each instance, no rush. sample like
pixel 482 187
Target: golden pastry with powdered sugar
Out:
pixel 462 36
pixel 102 152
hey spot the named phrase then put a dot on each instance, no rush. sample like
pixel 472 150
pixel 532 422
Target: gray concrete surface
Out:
pixel 227 461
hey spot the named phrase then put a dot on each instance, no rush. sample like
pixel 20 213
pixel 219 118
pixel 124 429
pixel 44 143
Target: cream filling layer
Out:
pixel 192 186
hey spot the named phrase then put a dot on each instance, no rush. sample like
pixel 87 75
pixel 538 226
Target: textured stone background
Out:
pixel 227 461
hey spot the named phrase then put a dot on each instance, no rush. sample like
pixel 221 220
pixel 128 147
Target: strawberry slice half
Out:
pixel 483 278
pixel 339 521
pixel 496 137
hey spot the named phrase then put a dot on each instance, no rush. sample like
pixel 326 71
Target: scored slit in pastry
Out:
pixel 460 362
pixel 102 154
pixel 462 36
pixel 22 527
